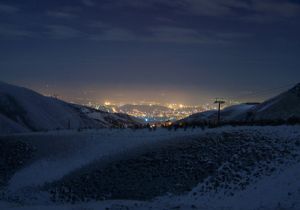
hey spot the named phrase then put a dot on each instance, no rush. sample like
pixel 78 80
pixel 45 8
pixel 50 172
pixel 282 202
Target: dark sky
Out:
pixel 186 51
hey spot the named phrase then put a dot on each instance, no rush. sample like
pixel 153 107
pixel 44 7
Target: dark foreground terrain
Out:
pixel 67 168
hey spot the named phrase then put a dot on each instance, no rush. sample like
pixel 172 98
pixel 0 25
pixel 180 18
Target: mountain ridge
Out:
pixel 282 107
pixel 26 110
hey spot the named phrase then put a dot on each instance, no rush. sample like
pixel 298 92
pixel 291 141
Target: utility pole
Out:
pixel 219 102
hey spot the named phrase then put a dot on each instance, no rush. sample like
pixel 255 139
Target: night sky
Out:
pixel 185 51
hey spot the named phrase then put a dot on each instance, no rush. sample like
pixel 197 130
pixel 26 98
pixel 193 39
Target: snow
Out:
pixel 279 191
pixel 74 151
pixel 233 112
pixel 62 152
pixel 27 110
pixel 43 112
pixel 271 192
pixel 282 107
pixel 8 126
pixel 230 113
pixel 267 105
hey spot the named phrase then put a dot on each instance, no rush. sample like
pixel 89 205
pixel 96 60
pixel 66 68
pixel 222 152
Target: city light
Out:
pixel 107 103
pixel 153 111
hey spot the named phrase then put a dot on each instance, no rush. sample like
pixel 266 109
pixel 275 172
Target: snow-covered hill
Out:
pixel 24 110
pixel 232 113
pixel 283 106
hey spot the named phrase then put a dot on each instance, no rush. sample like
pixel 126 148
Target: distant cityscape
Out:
pixel 155 112
pixel 150 111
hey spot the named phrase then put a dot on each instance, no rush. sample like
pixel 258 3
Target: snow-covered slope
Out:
pixel 9 126
pixel 22 109
pixel 283 107
pixel 200 117
pixel 232 113
pixel 215 169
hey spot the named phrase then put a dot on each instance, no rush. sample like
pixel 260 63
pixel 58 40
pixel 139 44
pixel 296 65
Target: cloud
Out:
pixel 66 12
pixel 214 7
pixel 115 34
pixel 230 36
pixel 269 11
pixel 177 34
pixel 165 20
pixel 270 8
pixel 13 32
pixel 98 24
pixel 279 8
pixel 167 34
pixel 190 35
pixel 60 14
pixel 260 18
pixel 156 34
pixel 193 7
pixel 8 8
pixel 63 32
pixel 88 3
pixel 217 8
